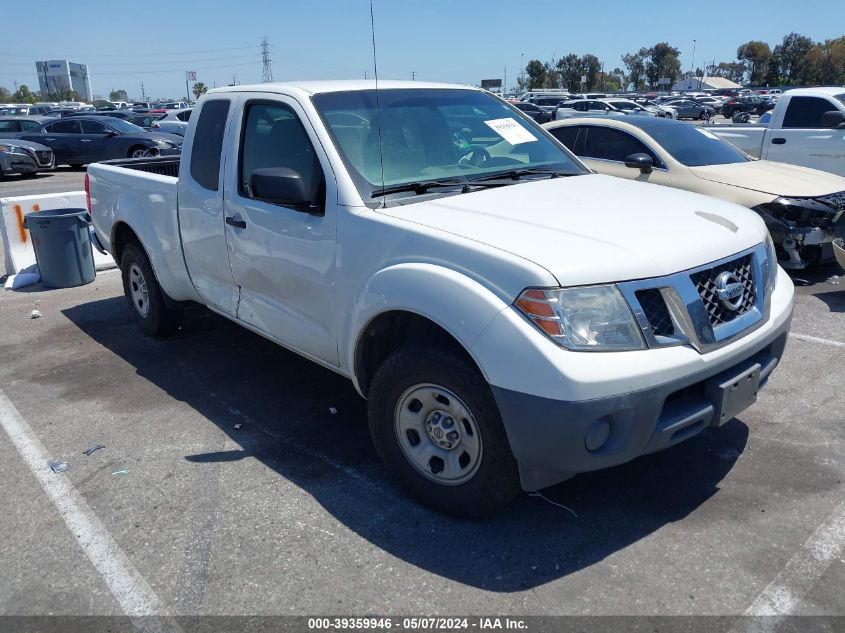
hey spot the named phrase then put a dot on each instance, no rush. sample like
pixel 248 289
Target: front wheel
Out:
pixel 145 296
pixel 437 428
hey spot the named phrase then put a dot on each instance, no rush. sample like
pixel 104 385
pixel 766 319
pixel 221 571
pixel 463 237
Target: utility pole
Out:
pixel 267 71
pixel 365 74
pixel 692 65
pixel 522 68
pixel 143 96
pixel 504 83
pixel 413 75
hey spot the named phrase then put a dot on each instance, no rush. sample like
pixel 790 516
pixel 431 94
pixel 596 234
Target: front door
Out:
pixel 282 257
pixel 803 139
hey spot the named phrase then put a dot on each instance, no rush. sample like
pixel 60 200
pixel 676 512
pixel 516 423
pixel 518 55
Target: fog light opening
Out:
pixel 597 435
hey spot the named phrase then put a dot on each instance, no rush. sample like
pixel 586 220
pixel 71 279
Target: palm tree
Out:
pixel 199 89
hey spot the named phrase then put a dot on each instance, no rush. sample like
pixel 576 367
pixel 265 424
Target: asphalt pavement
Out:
pixel 227 485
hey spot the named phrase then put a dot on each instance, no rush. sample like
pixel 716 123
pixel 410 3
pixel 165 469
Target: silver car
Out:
pixel 24 157
pixel 689 109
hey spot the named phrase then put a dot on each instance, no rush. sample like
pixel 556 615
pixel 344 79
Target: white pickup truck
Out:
pixel 807 128
pixel 511 317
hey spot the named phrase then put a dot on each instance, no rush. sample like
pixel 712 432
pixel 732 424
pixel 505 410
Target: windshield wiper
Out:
pixel 420 187
pixel 517 174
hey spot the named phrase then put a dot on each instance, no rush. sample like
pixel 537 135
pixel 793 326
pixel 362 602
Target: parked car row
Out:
pixel 77 141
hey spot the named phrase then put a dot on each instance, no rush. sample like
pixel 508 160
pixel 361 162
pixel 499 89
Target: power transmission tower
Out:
pixel 267 71
pixel 143 96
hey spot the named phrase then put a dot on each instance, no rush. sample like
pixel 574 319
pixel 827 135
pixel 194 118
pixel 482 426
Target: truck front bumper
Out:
pixel 556 439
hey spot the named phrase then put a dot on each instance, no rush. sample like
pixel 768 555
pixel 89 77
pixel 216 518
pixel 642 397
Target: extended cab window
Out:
pixel 608 144
pixel 208 143
pixel 806 112
pixel 273 136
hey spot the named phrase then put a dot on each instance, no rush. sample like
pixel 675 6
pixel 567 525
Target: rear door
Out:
pixel 283 258
pixel 803 139
pixel 63 137
pixel 201 218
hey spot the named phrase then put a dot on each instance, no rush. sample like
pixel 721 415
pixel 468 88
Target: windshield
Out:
pixel 431 134
pixel 694 146
pixel 123 126
pixel 841 97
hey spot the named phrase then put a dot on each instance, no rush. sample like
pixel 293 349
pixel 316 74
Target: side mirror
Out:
pixel 111 133
pixel 833 119
pixel 279 185
pixel 640 161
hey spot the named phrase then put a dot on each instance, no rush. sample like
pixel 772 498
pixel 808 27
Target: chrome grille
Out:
pixel 707 286
pixel 45 157
pixel 656 311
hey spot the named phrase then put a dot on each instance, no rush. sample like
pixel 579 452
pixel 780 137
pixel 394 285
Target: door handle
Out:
pixel 85 140
pixel 240 224
pixel 778 141
pixel 49 139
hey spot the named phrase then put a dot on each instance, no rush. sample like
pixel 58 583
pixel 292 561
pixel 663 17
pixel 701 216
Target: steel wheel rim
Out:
pixel 138 290
pixel 446 453
pixel 140 153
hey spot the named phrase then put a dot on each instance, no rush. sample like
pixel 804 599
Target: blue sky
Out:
pixel 460 41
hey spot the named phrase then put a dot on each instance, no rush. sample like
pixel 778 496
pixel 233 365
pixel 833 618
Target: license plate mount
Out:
pixel 733 392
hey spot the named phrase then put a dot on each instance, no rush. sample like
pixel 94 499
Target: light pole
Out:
pixel 522 69
pixel 692 66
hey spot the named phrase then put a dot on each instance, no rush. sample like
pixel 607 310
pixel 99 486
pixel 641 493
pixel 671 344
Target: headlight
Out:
pixel 591 318
pixel 771 263
pixel 163 143
pixel 12 149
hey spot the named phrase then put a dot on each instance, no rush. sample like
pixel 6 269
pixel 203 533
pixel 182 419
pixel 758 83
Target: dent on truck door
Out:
pixel 283 257
pixel 201 218
pixel 803 139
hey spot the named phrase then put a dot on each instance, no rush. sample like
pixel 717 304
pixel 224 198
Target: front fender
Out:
pixel 460 305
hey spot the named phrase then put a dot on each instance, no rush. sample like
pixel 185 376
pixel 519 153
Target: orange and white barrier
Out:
pixel 16 243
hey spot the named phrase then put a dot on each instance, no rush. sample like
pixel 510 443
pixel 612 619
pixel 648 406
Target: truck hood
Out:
pixel 594 228
pixel 778 179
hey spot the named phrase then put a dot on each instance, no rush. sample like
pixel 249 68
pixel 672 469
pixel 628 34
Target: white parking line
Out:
pixel 129 588
pixel 782 596
pixel 816 339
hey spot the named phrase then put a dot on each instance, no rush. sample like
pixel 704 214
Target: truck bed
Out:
pixel 161 165
pixel 748 138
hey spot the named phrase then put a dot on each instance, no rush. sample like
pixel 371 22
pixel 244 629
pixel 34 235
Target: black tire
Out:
pixel 495 481
pixel 703 116
pixel 151 313
pixel 76 165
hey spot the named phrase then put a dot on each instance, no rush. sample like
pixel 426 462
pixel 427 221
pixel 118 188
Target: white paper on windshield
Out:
pixel 511 131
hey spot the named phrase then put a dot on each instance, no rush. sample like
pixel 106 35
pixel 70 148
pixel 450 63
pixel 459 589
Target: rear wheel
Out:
pixel 145 296
pixel 436 427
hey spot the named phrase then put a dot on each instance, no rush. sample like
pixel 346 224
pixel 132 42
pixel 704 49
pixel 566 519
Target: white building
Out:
pixel 57 75
pixel 698 84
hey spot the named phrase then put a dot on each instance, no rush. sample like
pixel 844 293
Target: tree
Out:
pixel 24 95
pixel 537 74
pixel 773 77
pixel 5 95
pixel 569 70
pixel 118 95
pixel 662 61
pixel 735 71
pixel 756 55
pixel 792 51
pixel 199 89
pixel 592 67
pixel 635 63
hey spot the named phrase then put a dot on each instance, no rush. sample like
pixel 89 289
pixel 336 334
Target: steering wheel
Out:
pixel 476 156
